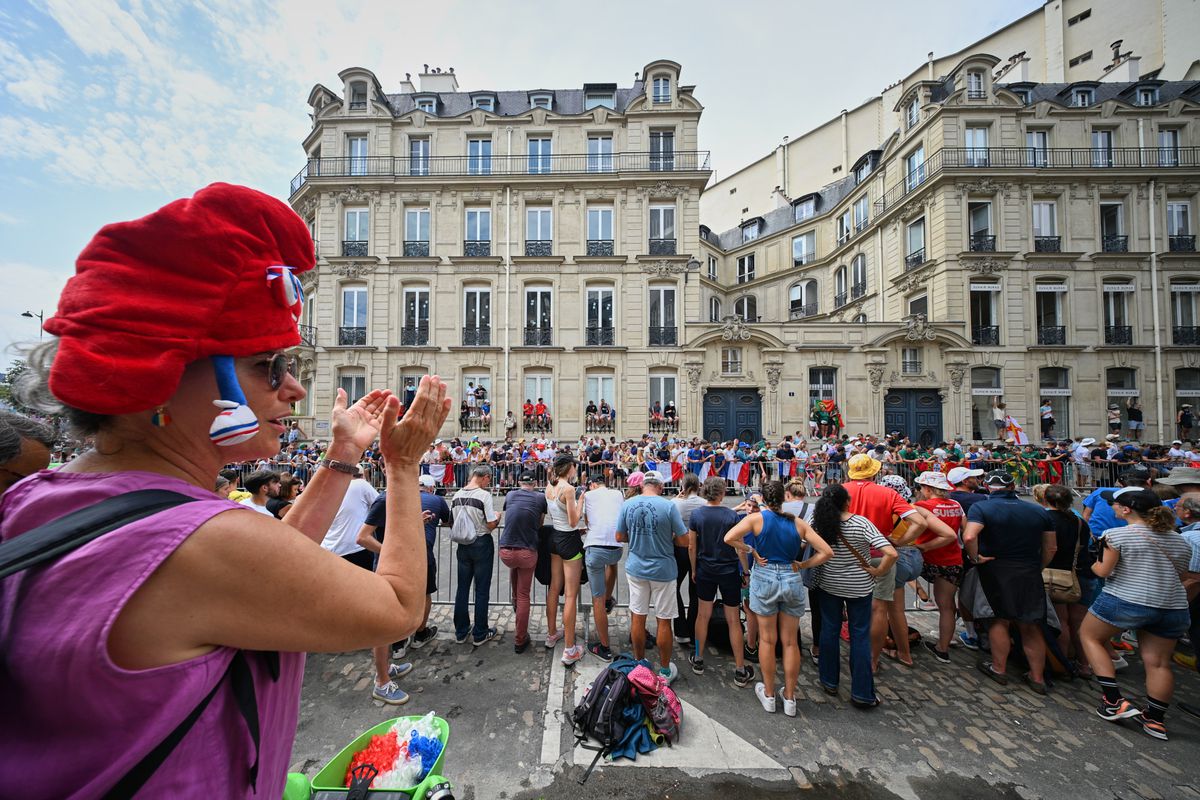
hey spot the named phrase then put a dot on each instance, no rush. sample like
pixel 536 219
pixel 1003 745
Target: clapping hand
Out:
pixel 404 441
pixel 358 425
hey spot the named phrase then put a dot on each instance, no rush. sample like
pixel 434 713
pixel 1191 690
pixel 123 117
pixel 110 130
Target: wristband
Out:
pixel 338 466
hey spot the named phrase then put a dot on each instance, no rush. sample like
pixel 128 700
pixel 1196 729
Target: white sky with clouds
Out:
pixel 111 108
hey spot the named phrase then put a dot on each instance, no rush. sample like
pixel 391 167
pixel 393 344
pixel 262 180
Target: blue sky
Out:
pixel 111 108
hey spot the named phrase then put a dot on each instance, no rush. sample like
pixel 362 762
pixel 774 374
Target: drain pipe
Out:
pixel 1158 367
pixel 507 279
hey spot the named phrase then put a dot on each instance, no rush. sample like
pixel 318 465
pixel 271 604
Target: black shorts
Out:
pixel 430 571
pixel 730 587
pixel 361 558
pixel 567 545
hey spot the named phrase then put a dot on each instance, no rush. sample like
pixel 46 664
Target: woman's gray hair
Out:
pixel 32 389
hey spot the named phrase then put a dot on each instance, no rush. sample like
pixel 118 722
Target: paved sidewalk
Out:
pixel 944 731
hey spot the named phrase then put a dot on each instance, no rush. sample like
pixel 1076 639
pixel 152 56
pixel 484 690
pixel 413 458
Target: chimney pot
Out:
pixel 426 67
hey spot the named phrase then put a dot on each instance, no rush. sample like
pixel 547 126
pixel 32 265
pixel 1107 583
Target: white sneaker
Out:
pixel 1130 638
pixel 1120 663
pixel 768 703
pixel 789 706
pixel 572 655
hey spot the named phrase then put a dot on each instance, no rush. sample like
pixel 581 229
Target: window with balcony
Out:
pixel 1121 383
pixel 976 139
pixel 539 155
pixel 479 156
pixel 1037 148
pixel 538 318
pixel 1187 389
pixel 1082 98
pixel 1118 329
pixel 1147 96
pixel 979 227
pixel 477 241
pixel 600 231
pixel 1102 147
pixel 662 317
pixel 477 317
pixel 802 299
pixel 662 230
pixel 1185 312
pixel 840 295
pixel 539 231
pixel 805 209
pixel 750 231
pixel 914 169
pixel 1045 227
pixel 1168 147
pixel 356 146
pixel 418 156
pixel 914 254
pixel 539 388
pixel 985 321
pixel 862 213
pixel 919 305
pixel 358 96
pixel 354 383
pixel 1048 308
pixel 353 330
pixel 1054 385
pixel 843 228
pixel 416 233
pixel 358 232
pixel 1112 228
pixel 600 388
pixel 473 420
pixel 714 309
pixel 911 361
pixel 858 276
pixel 600 325
pixel 745 268
pixel 663 386
pixel 712 268
pixel 804 248
pixel 731 361
pixel 746 308
pixel 414 330
pixel 822 383
pixel 1180 238
pixel 662 150
pixel 975 85
pixel 912 113
pixel 662 90
pixel 985 386
pixel 600 154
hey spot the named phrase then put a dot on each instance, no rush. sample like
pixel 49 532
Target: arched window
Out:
pixel 840 295
pixel 714 309
pixel 858 276
pixel 1055 388
pixel 358 95
pixel 985 387
pixel 746 308
pixel 802 299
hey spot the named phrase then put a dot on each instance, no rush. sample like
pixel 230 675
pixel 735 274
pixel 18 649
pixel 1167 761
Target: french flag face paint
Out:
pixel 287 288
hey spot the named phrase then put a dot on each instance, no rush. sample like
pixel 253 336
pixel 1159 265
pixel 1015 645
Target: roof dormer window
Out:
pixel 426 103
pixel 1082 98
pixel 750 230
pixel 358 96
pixel 662 90
pixel 485 102
pixel 975 85
pixel 1147 96
pixel 804 208
pixel 542 100
pixel 1022 95
pixel 912 113
pixel 595 99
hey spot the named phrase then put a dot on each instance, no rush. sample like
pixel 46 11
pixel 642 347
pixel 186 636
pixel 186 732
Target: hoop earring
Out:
pixel 160 418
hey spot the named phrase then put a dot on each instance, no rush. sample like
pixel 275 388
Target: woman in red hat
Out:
pixel 165 657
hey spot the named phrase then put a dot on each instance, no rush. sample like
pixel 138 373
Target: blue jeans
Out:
pixel 858 613
pixel 475 562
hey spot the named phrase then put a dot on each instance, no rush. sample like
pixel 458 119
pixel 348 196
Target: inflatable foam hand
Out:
pixel 235 424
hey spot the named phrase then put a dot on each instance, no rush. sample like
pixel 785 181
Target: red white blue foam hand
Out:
pixel 235 424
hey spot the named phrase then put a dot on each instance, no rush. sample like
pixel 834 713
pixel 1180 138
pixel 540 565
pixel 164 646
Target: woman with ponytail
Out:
pixel 566 549
pixel 777 594
pixel 848 581
pixel 1143 565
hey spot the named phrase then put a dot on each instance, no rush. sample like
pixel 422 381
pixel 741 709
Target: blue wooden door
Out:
pixel 915 413
pixel 732 414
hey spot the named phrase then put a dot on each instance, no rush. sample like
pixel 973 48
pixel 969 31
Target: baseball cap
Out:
pixel 960 474
pixel 652 476
pixel 527 477
pixel 635 479
pixel 998 477
pixel 426 480
pixel 1134 497
pixel 1137 472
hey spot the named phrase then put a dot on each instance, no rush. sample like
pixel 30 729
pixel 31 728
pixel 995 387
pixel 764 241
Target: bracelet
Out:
pixel 338 466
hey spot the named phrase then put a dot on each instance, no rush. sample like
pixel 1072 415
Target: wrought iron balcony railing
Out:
pixel 987 335
pixel 1052 334
pixel 477 248
pixel 983 243
pixel 1185 334
pixel 662 247
pixel 352 337
pixel 1114 243
pixel 416 249
pixel 857 290
pixel 1118 334
pixel 415 335
pixel 539 337
pixel 976 94
pixel 802 310
pixel 599 336
pixel 354 248
pixel 840 299
pixel 909 367
pixel 914 259
pixel 477 337
pixel 663 336
pixel 308 335
pixel 539 247
pixel 1047 244
pixel 1181 244
pixel 599 247
pixel 516 164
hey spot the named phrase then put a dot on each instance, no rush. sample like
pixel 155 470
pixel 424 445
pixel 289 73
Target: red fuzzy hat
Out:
pixel 213 274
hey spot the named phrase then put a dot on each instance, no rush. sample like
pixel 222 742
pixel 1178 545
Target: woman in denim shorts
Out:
pixel 1142 564
pixel 777 594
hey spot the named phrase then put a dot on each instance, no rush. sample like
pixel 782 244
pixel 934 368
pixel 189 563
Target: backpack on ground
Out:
pixel 463 530
pixel 600 714
pixel 660 701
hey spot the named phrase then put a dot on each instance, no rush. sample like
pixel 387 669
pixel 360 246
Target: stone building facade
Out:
pixel 1011 240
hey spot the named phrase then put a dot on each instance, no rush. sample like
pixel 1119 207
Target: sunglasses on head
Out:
pixel 280 366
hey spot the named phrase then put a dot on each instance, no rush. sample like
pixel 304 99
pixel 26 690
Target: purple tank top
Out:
pixel 73 722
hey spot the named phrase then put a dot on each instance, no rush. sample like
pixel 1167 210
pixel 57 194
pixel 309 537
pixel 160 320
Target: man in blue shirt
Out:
pixel 653 527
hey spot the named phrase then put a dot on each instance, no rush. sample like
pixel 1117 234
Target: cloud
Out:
pixel 35 82
pixel 9 219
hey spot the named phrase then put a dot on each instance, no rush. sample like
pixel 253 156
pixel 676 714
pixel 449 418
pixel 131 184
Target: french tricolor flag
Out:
pixel 738 472
pixel 442 473
pixel 705 469
pixel 786 469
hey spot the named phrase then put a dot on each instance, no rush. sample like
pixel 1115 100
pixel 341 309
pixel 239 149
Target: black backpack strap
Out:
pixel 76 529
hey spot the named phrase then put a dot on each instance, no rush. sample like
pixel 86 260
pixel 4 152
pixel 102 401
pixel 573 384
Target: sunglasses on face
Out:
pixel 279 367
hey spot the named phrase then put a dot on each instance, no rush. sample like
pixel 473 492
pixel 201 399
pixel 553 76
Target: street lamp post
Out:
pixel 40 317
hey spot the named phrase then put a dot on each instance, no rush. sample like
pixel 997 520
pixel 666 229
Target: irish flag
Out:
pixel 738 472
pixel 442 473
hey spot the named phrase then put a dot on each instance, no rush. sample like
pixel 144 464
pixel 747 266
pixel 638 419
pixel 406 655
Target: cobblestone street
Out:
pixel 942 731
